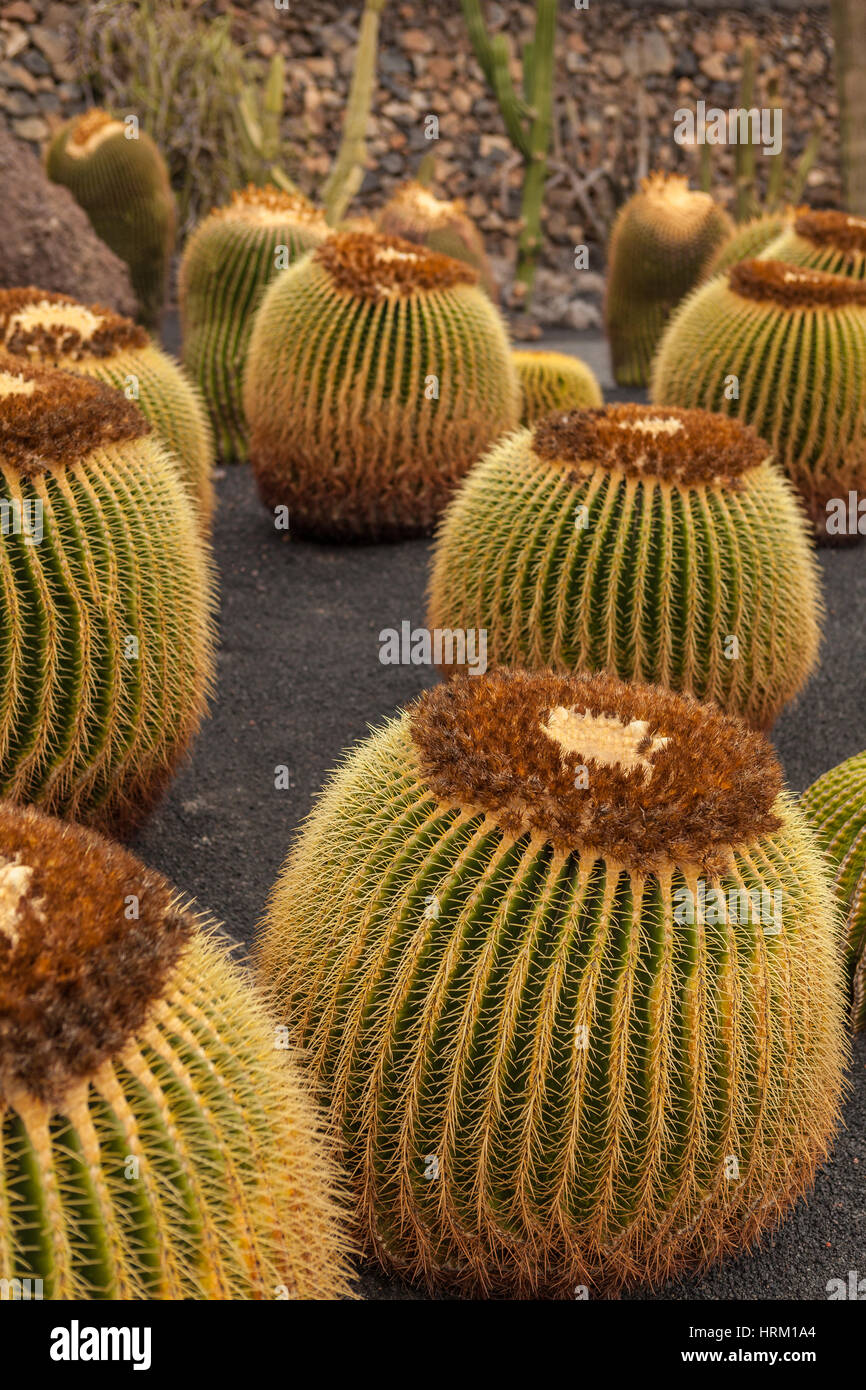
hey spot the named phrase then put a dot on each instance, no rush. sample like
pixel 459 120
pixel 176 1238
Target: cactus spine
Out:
pixel 415 214
pixel 153 1141
pixel 834 242
pixel 749 239
pixel 54 330
pixel 545 1069
pixel 661 242
pixel 660 545
pixel 226 266
pixel 106 650
pixel 554 381
pixel 122 184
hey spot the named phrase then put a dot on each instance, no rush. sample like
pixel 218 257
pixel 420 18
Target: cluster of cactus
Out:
pixel 117 174
pixel 56 331
pixel 378 372
pixel 415 214
pixel 106 649
pixel 783 349
pixel 835 807
pixel 573 1005
pixel 226 265
pixel 834 242
pixel 661 242
pixel 154 1142
pixel 660 545
pixel 553 381
pixel 750 239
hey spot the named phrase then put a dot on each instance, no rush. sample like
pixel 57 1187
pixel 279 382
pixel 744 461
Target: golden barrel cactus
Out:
pixel 827 240
pixel 553 381
pixel 378 373
pixel 749 239
pixel 54 330
pixel 661 242
pixel 155 1143
pixel 416 214
pixel 226 266
pixel 782 348
pixel 106 644
pixel 661 545
pixel 566 963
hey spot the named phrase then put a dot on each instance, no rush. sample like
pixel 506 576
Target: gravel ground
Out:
pixel 300 679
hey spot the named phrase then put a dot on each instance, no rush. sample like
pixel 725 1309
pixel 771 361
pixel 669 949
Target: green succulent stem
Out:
pixel 347 173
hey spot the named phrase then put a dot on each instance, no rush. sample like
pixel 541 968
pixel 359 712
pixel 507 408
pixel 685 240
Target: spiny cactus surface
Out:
pixel 553 381
pixel 748 240
pixel 54 330
pixel 378 373
pixel 657 544
pixel 834 242
pixel 661 241
pixel 416 214
pixel 226 265
pixel 123 185
pixel 106 643
pixel 521 940
pixel 782 348
pixel 154 1143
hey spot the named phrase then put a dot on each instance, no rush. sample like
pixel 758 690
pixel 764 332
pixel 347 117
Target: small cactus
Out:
pixel 154 1141
pixel 227 263
pixel 834 242
pixel 660 545
pixel 835 807
pixel 661 242
pixel 106 648
pixel 781 348
pixel 117 174
pixel 748 240
pixel 378 373
pixel 553 381
pixel 566 964
pixel 56 331
pixel 416 215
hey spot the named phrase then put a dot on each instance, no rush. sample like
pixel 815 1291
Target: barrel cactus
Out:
pixel 54 330
pixel 782 348
pixel 660 545
pixel 567 968
pixel 226 265
pixel 661 242
pixel 378 373
pixel 106 647
pixel 748 240
pixel 155 1142
pixel 834 242
pixel 835 807
pixel 117 174
pixel 554 381
pixel 416 214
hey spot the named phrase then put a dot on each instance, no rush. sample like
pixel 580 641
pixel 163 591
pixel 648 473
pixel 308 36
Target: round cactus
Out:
pixel 378 373
pixel 661 241
pixel 834 242
pixel 415 214
pixel 106 649
pixel 748 240
pixel 155 1142
pixel 123 186
pixel 54 330
pixel 835 807
pixel 554 381
pixel 226 265
pixel 782 348
pixel 660 545
pixel 566 964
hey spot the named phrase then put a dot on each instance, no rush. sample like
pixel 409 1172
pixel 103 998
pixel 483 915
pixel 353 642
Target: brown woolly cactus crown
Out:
pixel 78 970
pixel 669 197
pixel 89 130
pixel 270 205
pixel 839 230
pixel 668 779
pixel 378 266
pixel 684 447
pixel 37 323
pixel 794 287
pixel 414 198
pixel 51 418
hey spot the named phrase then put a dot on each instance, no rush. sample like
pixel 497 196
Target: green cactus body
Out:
pixel 551 1062
pixel 835 807
pixel 106 641
pixel 658 545
pixel 661 242
pixel 749 239
pixel 783 349
pixel 155 1143
pixel 54 330
pixel 416 215
pixel 226 266
pixel 554 381
pixel 378 373
pixel 834 242
pixel 123 186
